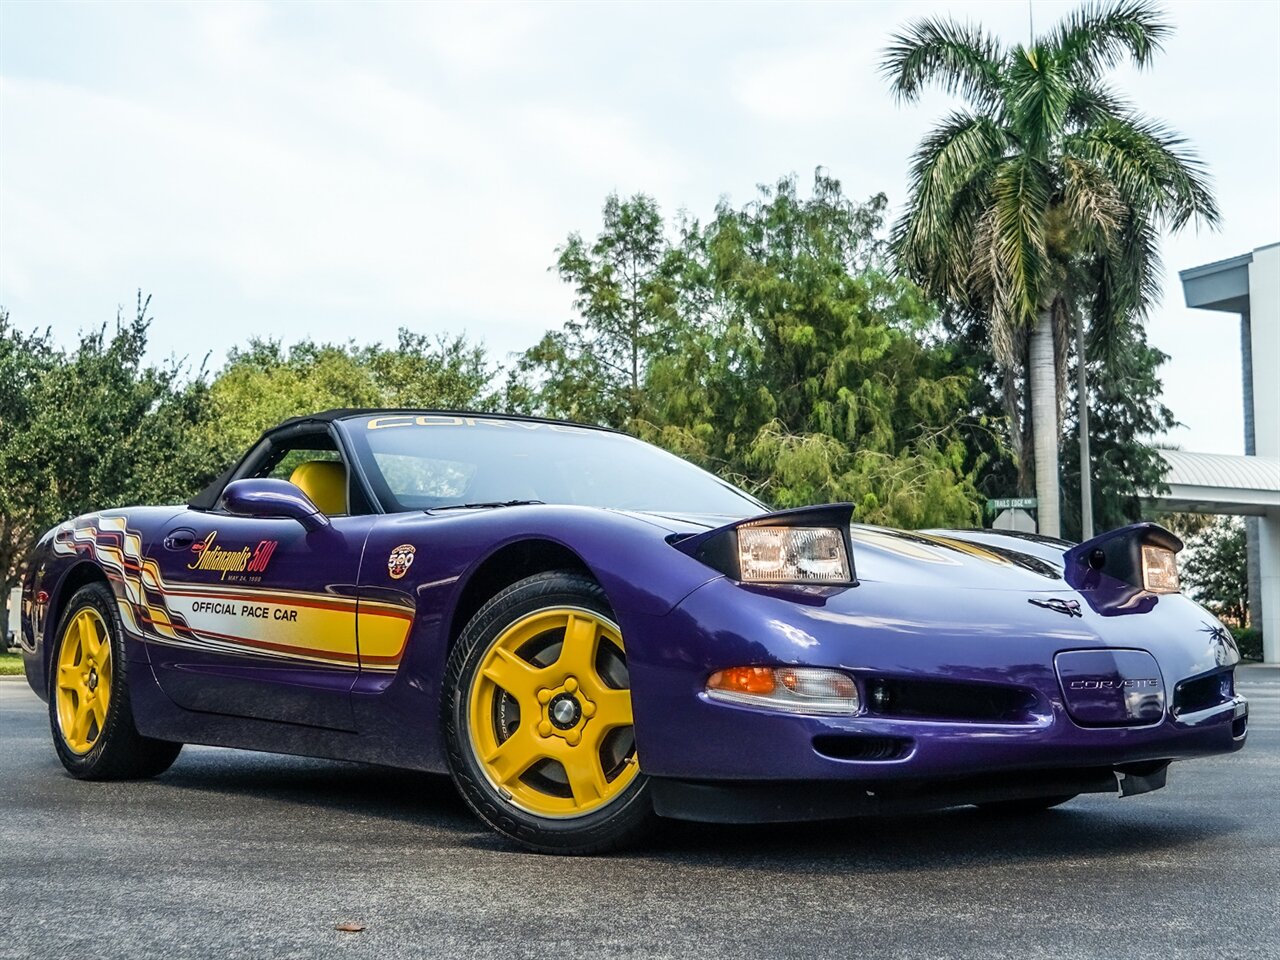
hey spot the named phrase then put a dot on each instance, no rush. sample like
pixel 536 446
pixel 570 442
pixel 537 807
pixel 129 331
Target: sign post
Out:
pixel 1012 503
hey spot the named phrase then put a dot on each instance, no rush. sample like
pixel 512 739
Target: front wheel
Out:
pixel 89 707
pixel 538 719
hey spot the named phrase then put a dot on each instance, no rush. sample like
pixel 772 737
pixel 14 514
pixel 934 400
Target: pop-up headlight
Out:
pixel 807 545
pixel 1159 569
pixel 1142 557
pixel 770 554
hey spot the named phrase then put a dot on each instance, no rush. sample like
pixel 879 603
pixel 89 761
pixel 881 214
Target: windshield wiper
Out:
pixel 486 503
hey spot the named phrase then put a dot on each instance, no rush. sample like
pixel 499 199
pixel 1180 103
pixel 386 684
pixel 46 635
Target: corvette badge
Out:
pixel 1070 607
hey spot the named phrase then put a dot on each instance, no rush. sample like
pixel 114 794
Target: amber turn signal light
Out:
pixel 757 680
pixel 790 689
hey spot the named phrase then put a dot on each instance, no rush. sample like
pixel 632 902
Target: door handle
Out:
pixel 179 539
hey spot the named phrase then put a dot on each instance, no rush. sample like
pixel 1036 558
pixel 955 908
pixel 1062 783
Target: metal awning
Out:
pixel 1219 483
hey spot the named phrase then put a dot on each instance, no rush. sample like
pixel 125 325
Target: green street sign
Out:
pixel 1012 503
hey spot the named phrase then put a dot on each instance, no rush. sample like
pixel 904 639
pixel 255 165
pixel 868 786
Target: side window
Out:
pixel 295 458
pixel 312 462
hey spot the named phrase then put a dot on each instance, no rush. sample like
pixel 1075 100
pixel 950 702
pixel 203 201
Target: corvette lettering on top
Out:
pixel 210 556
pixel 446 420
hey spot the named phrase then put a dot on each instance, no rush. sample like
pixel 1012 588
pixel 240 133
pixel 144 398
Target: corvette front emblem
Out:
pixel 400 561
pixel 1070 607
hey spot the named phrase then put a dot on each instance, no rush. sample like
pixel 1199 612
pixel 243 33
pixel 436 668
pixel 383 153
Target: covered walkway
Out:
pixel 1244 485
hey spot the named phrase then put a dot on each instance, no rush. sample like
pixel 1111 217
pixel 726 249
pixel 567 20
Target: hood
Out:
pixel 972 559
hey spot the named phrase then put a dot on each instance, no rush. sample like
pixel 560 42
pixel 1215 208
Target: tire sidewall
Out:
pixel 596 831
pixel 98 597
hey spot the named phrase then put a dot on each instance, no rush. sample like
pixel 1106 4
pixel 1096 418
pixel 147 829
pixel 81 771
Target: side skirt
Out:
pixel 159 717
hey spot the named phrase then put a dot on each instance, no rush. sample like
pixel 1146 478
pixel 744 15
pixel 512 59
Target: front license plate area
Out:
pixel 1107 688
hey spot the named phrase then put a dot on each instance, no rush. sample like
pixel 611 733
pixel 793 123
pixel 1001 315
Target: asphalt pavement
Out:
pixel 235 854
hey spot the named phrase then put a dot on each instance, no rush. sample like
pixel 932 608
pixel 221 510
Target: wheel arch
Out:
pixel 79 574
pixel 509 564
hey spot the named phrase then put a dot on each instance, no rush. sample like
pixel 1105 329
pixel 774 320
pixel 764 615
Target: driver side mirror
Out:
pixel 275 499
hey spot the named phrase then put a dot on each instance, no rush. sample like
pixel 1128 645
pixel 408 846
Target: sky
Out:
pixel 337 171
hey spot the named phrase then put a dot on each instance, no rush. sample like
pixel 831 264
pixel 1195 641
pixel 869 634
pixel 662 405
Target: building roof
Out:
pixel 1222 470
pixel 1220 483
pixel 1223 285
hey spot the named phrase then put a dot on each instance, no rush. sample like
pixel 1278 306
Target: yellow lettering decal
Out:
pixel 214 558
pixel 382 423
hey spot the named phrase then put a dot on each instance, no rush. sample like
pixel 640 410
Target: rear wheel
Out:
pixel 89 707
pixel 538 718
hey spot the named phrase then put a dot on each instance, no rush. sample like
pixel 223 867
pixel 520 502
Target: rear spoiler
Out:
pixel 718 548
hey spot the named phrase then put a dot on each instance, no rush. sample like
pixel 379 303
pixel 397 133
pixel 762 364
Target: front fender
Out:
pixel 64 559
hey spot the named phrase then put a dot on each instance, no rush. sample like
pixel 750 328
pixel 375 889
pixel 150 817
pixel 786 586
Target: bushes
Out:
pixel 1249 640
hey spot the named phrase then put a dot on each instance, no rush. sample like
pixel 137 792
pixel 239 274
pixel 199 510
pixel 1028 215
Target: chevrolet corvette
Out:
pixel 586 632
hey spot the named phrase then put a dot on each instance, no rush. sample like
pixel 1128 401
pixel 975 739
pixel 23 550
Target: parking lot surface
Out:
pixel 235 854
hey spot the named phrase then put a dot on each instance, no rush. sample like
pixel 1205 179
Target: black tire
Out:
pixel 1026 805
pixel 624 817
pixel 119 752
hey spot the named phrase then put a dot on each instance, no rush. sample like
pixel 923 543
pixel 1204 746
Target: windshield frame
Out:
pixel 353 428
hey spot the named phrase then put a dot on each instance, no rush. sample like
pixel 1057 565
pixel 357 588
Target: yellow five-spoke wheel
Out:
pixel 90 709
pixel 83 681
pixel 540 725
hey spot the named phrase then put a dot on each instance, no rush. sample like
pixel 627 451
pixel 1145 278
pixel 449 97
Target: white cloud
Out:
pixel 339 170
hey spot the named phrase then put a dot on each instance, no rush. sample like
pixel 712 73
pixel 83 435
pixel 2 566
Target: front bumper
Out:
pixel 1005 644
pixel 790 801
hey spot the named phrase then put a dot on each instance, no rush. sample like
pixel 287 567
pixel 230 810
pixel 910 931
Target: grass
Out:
pixel 10 664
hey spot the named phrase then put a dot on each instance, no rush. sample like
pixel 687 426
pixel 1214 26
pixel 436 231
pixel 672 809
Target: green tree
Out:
pixel 807 372
pixel 90 429
pixel 25 359
pixel 1125 414
pixel 1216 570
pixel 594 368
pixel 265 382
pixel 1042 201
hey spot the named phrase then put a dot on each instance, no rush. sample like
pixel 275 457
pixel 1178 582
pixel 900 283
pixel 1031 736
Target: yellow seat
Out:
pixel 325 483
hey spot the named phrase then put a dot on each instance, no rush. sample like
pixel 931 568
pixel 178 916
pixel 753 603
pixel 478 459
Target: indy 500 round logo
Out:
pixel 400 561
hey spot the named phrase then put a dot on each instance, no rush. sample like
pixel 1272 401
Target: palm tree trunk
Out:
pixel 1043 380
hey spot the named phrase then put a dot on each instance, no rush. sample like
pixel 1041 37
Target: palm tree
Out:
pixel 1043 201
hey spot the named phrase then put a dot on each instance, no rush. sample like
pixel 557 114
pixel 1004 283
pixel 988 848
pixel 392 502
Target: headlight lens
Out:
pixel 792 555
pixel 1160 569
pixel 791 689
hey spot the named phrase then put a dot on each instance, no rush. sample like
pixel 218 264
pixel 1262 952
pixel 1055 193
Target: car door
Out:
pixel 262 612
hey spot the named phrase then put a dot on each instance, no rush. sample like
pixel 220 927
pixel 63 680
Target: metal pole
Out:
pixel 1086 466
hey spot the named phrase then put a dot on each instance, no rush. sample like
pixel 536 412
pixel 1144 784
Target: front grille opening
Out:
pixel 1202 693
pixel 946 700
pixel 859 747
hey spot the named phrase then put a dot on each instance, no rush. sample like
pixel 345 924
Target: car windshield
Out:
pixel 428 461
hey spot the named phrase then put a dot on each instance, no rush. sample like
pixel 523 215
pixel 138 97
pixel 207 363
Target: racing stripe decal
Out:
pixel 248 621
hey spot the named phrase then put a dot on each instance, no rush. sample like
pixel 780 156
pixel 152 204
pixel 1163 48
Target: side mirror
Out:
pixel 277 499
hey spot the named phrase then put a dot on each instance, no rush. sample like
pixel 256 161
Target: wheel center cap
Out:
pixel 564 711
pixel 93 680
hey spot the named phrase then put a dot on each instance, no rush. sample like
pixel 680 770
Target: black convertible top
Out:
pixel 343 413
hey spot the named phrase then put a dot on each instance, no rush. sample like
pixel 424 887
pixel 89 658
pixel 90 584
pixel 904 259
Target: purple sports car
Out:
pixel 586 631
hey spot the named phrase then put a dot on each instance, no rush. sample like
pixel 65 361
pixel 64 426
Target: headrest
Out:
pixel 325 482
